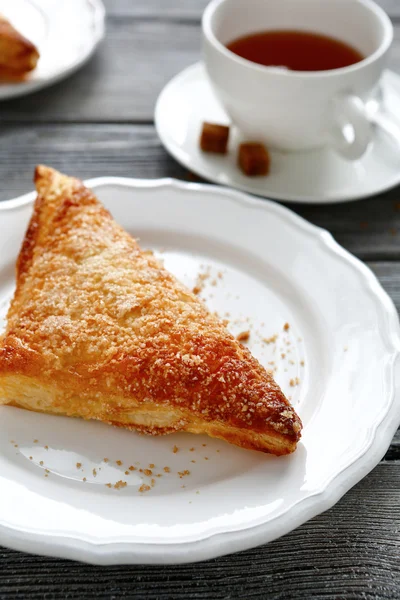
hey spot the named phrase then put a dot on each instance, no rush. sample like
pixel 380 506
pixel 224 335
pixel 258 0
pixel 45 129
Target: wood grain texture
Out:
pixel 189 9
pixel 392 7
pixel 349 552
pixel 368 228
pixel 178 10
pixel 124 78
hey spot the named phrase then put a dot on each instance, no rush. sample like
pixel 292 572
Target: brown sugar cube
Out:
pixel 214 138
pixel 253 159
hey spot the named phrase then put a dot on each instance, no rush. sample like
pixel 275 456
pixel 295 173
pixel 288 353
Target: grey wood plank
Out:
pixel 122 81
pixel 165 10
pixel 189 9
pixel 392 7
pixel 369 228
pixel 349 552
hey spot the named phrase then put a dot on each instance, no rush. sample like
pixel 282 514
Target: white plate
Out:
pixel 276 268
pixel 65 32
pixel 318 176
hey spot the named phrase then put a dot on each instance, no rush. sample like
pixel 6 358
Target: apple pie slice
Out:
pixel 100 329
pixel 18 55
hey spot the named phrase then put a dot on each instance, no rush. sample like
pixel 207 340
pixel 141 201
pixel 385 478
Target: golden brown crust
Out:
pixel 99 329
pixel 18 55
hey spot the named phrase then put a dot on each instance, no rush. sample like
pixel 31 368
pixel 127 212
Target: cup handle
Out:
pixel 351 130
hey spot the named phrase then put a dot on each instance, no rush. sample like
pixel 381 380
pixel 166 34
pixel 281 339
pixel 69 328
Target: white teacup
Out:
pixel 296 110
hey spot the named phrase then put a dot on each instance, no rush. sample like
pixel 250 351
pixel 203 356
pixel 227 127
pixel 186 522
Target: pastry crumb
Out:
pixel 46 447
pixel 94 473
pixel 35 441
pixel 120 484
pixel 243 336
pixel 132 468
pixel 41 463
pixel 286 327
pixel 302 363
pixel 153 482
pixel 295 381
pixel 105 460
pixel 148 472
pixel 175 449
pixel 167 469
pixel 119 462
pixel 270 340
pixel 109 485
pixel 193 461
pixel 78 465
pixel 183 473
pixel 84 479
pixel 151 466
pixel 144 488
pixel 127 473
pixel 206 458
pixel 191 449
pixel 31 458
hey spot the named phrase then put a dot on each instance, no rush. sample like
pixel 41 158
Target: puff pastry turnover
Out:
pixel 18 55
pixel 99 329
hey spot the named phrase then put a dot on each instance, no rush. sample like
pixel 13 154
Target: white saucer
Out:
pixel 66 34
pixel 261 266
pixel 319 176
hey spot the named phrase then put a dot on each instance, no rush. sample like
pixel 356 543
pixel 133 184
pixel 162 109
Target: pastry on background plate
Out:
pixel 18 56
pixel 100 329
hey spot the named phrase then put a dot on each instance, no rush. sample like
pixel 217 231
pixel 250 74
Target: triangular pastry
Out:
pixel 18 55
pixel 100 329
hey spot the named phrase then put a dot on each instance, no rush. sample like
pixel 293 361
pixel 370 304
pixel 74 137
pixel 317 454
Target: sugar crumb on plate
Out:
pixel 184 473
pixel 120 484
pixel 243 336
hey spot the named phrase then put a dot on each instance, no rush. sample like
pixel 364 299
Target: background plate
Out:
pixel 66 34
pixel 261 266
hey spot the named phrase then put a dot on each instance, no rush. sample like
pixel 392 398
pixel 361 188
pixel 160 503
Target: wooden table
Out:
pixel 100 122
